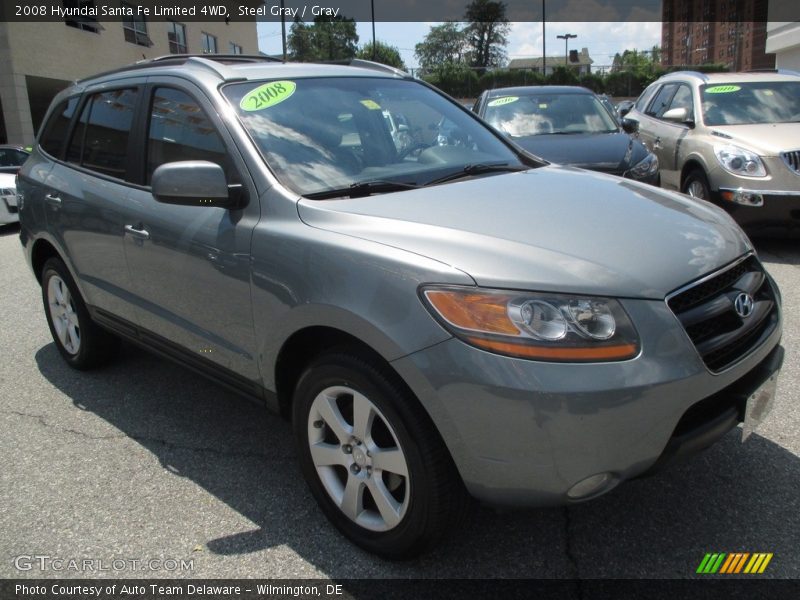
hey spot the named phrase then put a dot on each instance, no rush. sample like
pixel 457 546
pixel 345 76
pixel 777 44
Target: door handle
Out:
pixel 52 199
pixel 657 143
pixel 141 234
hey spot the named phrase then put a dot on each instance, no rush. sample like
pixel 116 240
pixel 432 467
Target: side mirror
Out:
pixel 678 115
pixel 629 125
pixel 194 183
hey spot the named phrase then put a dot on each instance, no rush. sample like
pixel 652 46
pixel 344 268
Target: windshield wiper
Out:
pixel 363 188
pixel 477 169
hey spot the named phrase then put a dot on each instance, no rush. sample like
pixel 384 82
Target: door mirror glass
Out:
pixel 630 125
pixel 192 183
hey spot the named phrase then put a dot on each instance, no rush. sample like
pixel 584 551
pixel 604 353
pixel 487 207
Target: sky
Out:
pixel 602 39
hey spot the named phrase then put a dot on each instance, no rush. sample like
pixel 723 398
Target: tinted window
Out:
pixel 11 158
pixel 55 130
pixel 661 101
pixel 100 141
pixel 180 130
pixel 683 99
pixel 641 103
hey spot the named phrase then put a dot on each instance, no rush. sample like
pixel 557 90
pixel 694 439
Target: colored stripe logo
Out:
pixel 733 563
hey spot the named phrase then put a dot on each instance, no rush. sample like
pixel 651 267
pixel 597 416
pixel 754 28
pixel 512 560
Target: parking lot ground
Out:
pixel 145 460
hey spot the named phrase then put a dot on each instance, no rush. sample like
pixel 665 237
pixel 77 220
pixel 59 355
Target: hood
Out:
pixel 556 229
pixel 612 152
pixel 770 139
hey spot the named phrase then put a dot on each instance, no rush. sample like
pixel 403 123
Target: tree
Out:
pixel 384 54
pixel 444 44
pixel 487 33
pixel 327 38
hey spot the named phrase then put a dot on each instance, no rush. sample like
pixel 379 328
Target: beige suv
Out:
pixel 731 138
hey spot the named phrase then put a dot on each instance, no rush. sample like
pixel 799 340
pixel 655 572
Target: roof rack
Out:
pixel 366 64
pixel 208 60
pixel 702 76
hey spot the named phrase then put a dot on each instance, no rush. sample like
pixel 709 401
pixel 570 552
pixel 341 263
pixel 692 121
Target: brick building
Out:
pixel 728 32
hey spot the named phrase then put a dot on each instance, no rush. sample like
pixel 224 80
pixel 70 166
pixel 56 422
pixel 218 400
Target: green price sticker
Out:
pixel 371 104
pixel 504 100
pixel 723 89
pixel 267 95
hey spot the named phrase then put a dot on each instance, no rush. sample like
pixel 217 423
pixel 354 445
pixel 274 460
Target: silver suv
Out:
pixel 731 138
pixel 438 319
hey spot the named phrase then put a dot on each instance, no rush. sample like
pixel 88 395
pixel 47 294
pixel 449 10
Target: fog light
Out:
pixel 740 196
pixel 593 485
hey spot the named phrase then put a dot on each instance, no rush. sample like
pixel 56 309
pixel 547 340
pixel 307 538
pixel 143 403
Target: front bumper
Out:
pixel 760 212
pixel 524 433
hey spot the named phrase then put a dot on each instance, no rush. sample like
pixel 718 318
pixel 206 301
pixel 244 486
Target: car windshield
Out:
pixel 523 115
pixel 749 103
pixel 324 134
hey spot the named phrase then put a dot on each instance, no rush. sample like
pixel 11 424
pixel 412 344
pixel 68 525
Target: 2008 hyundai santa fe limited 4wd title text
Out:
pixel 438 315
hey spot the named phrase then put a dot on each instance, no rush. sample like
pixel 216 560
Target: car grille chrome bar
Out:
pixel 792 160
pixel 706 309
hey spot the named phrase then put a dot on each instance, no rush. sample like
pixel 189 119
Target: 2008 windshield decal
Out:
pixel 267 95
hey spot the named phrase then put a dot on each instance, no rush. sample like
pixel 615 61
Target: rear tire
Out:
pixel 81 342
pixel 372 458
pixel 696 185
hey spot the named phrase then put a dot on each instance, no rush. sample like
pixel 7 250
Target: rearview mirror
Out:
pixel 194 183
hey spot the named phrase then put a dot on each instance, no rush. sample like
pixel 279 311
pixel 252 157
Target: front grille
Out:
pixel 792 160
pixel 706 311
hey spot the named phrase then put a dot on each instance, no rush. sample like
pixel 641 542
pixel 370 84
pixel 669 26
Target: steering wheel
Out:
pixel 417 147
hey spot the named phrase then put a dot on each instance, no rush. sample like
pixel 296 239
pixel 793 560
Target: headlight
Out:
pixel 551 327
pixel 739 161
pixel 645 168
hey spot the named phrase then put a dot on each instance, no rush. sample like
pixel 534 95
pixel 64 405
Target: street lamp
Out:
pixel 566 37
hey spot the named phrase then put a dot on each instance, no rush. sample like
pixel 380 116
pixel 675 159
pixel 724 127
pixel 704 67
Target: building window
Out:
pixel 209 43
pixel 87 23
pixel 234 48
pixel 176 32
pixel 134 26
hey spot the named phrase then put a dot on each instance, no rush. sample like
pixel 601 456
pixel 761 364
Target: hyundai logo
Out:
pixel 743 305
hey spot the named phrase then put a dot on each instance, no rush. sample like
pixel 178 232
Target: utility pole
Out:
pixel 544 45
pixel 566 37
pixel 283 30
pixel 372 4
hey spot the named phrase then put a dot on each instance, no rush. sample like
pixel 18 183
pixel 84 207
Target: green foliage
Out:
pixel 383 53
pixel 487 33
pixel 327 38
pixel 593 82
pixel 444 45
pixel 562 76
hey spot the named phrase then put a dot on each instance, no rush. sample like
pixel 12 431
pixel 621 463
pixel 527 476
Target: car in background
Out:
pixel 731 138
pixel 12 158
pixel 8 199
pixel 568 125
pixel 623 108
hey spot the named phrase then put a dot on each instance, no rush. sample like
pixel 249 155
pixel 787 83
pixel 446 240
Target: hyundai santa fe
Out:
pixel 442 318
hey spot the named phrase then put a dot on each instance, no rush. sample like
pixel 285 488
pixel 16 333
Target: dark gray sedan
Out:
pixel 570 126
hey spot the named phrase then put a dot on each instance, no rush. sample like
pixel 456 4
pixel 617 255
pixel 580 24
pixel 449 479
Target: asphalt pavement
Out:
pixel 143 460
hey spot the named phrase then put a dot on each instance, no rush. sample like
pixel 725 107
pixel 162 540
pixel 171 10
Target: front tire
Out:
pixel 696 185
pixel 372 458
pixel 80 341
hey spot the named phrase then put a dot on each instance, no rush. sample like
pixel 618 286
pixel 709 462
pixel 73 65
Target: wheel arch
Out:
pixel 693 163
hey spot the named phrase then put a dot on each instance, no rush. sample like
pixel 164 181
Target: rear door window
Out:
pixel 100 140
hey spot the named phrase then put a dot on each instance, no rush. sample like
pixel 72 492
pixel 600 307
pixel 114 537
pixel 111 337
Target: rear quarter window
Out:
pixel 55 130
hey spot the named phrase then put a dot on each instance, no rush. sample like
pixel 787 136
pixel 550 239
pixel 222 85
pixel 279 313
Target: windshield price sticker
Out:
pixel 504 100
pixel 267 95
pixel 371 104
pixel 722 89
